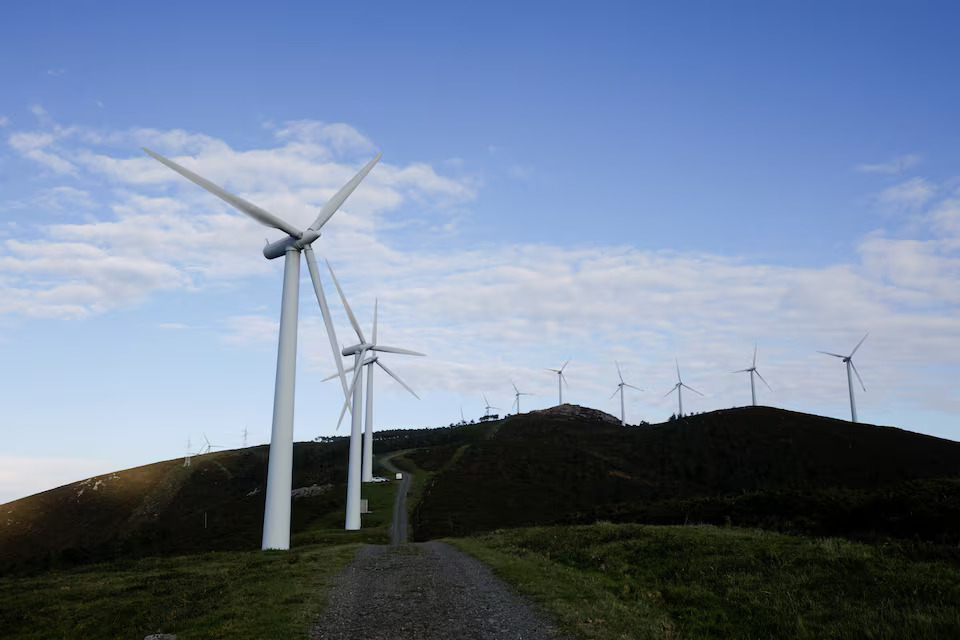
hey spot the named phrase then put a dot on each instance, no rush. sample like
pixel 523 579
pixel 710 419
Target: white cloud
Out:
pixel 894 166
pixel 176 326
pixel 480 313
pixel 907 196
pixel 56 73
pixel 4 120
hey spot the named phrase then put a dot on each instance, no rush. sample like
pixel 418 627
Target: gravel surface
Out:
pixel 427 591
pixel 398 526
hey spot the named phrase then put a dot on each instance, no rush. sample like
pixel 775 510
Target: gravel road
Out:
pixel 398 526
pixel 427 591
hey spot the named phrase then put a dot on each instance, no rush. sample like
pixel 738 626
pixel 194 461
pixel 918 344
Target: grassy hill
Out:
pixel 215 504
pixel 754 466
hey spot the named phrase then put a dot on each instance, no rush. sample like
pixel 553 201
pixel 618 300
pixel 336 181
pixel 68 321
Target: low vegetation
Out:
pixel 235 595
pixel 754 466
pixel 616 581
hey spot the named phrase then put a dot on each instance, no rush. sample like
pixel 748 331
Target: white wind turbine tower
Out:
pixel 623 420
pixel 488 407
pixel 276 515
pixel 361 463
pixel 753 370
pixel 849 361
pixel 679 389
pixel 516 403
pixel 561 379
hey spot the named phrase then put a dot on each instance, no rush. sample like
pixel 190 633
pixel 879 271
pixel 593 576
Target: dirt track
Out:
pixel 427 591
pixel 398 526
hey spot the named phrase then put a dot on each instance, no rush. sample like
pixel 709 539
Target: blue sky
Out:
pixel 597 182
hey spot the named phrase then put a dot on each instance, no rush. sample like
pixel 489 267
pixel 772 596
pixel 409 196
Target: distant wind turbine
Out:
pixel 752 370
pixel 623 421
pixel 516 403
pixel 679 389
pixel 358 457
pixel 849 360
pixel 487 413
pixel 209 446
pixel 561 379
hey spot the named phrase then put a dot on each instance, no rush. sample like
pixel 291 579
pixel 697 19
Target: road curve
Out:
pixel 398 526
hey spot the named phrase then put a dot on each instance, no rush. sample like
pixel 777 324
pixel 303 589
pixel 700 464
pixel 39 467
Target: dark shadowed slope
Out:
pixel 216 503
pixel 769 467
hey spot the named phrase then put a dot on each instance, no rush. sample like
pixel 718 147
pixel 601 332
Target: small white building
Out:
pixel 399 476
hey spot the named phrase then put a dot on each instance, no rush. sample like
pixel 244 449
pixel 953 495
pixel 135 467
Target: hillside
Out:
pixel 215 504
pixel 753 466
pixel 756 466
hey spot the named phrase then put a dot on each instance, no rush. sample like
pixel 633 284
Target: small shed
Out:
pixel 399 476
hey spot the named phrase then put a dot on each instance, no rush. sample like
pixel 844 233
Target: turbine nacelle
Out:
pixel 279 248
pixel 357 348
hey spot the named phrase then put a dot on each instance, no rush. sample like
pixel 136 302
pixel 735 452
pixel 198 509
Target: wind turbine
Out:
pixel 623 421
pixel 516 403
pixel 752 370
pixel 276 514
pixel 849 360
pixel 487 411
pixel 209 446
pixel 561 379
pixel 679 389
pixel 358 351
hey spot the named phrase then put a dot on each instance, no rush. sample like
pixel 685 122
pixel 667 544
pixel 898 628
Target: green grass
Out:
pixel 234 595
pixel 609 581
pixel 328 528
pixel 245 594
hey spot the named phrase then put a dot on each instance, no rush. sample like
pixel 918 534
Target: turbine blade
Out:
pixel 564 378
pixel 858 375
pixel 346 402
pixel 671 390
pixel 565 364
pixel 376 304
pixel 679 379
pixel 515 387
pixel 835 355
pixel 694 390
pixel 632 387
pixel 397 378
pixel 327 211
pixel 325 312
pixel 858 345
pixel 764 381
pixel 485 400
pixel 346 305
pixel 337 375
pixel 515 403
pixel 614 393
pixel 740 371
pixel 618 370
pixel 754 365
pixel 260 215
pixel 405 352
